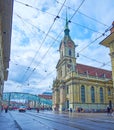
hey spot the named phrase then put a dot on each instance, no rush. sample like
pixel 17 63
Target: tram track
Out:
pixel 64 121
pixel 45 119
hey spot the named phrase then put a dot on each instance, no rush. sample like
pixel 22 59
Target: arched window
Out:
pixel 61 73
pixel 83 94
pixel 109 92
pixel 67 90
pixel 92 95
pixel 61 53
pixel 101 95
pixel 70 53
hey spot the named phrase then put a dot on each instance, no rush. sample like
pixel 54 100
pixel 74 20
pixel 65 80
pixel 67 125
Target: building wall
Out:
pixel 6 10
pixel 79 85
pixel 71 90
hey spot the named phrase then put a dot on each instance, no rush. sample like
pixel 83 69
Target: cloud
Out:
pixel 34 54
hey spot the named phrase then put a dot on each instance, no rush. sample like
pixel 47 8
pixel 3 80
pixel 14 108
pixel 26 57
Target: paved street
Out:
pixel 47 120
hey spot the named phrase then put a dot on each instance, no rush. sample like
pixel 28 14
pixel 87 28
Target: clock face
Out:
pixel 70 44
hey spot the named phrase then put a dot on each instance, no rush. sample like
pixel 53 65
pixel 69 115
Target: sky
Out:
pixel 37 30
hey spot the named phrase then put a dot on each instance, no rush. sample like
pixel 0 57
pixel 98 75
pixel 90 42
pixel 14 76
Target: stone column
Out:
pixel 62 97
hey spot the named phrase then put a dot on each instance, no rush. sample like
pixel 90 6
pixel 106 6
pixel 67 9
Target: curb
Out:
pixel 17 124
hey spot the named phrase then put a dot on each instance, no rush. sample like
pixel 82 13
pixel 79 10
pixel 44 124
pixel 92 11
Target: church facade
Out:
pixel 78 85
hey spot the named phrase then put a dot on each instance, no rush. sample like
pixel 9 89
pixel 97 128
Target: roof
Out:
pixel 45 96
pixel 106 42
pixel 93 71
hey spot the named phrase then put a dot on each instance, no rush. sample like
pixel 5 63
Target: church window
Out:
pixel 70 53
pixel 109 92
pixel 92 94
pixel 101 95
pixel 83 93
pixel 61 72
pixel 62 53
pixel 67 102
pixel 67 90
pixel 70 60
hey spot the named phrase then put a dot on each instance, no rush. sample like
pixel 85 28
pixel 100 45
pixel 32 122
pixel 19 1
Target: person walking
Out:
pixel 6 109
pixel 37 109
pixel 108 111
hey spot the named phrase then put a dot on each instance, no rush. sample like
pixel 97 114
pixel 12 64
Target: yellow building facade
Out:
pixel 78 85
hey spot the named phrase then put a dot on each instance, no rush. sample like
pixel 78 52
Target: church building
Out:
pixel 78 85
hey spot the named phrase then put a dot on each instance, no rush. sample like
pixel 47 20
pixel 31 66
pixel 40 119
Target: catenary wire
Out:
pixel 83 26
pixel 46 36
pixel 57 38
pixel 84 14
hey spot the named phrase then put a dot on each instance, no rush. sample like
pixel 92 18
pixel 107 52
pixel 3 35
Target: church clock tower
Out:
pixel 67 61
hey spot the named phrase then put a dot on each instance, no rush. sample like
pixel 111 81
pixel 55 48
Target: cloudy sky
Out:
pixel 37 32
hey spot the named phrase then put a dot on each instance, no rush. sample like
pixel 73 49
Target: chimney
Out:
pixel 112 29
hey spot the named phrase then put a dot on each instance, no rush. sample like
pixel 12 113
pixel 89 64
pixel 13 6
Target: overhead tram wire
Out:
pixel 27 5
pixel 47 75
pixel 23 20
pixel 84 15
pixel 96 68
pixel 36 27
pixel 83 26
pixel 53 38
pixel 90 73
pixel 93 19
pixel 57 16
pixel 103 34
pixel 91 43
pixel 43 57
pixel 95 59
pixel 42 32
pixel 78 23
pixel 94 40
pixel 56 38
pixel 103 64
pixel 77 10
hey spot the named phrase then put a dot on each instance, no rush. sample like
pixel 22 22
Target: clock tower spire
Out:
pixel 66 31
pixel 67 61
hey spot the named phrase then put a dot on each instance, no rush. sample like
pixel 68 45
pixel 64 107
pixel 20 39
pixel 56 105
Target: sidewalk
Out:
pixel 7 122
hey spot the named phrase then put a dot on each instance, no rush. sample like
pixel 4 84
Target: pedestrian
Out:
pixel 108 110
pixel 6 109
pixel 37 109
pixel 2 108
pixel 71 110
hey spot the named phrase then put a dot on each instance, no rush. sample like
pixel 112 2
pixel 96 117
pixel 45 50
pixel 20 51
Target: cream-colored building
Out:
pixel 6 9
pixel 109 42
pixel 78 85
